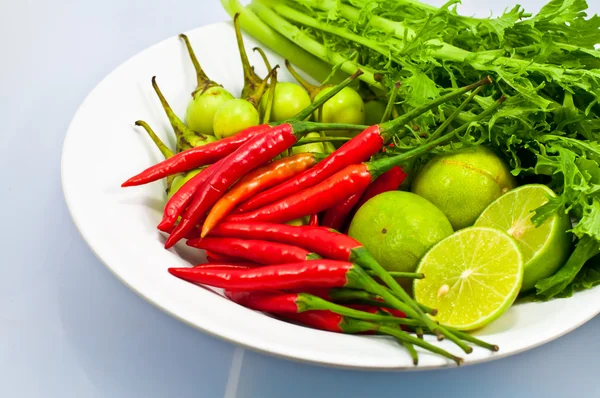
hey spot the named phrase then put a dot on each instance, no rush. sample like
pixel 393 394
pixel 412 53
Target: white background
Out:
pixel 69 328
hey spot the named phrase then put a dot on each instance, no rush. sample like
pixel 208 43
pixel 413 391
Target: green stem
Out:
pixel 252 81
pixel 259 90
pixel 308 302
pixel 380 166
pixel 254 26
pixel 204 81
pixel 391 103
pixel 467 337
pixel 263 56
pixel 313 140
pixel 398 123
pixel 306 112
pixel 162 147
pixel 407 338
pixel 270 98
pixel 299 37
pixel 454 114
pixel 362 257
pixel 419 332
pixel 412 352
pixel 302 128
pixel 311 88
pixel 182 132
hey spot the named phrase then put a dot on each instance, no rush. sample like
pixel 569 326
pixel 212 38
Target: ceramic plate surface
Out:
pixel 103 148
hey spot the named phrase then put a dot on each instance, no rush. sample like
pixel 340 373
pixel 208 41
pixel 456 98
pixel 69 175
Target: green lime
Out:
pixel 463 184
pixel 544 248
pixel 471 277
pixel 398 227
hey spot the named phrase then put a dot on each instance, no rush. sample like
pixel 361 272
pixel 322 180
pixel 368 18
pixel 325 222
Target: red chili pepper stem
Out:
pixel 405 337
pixel 411 351
pixel 312 140
pixel 380 166
pixel 308 302
pixel 282 303
pixel 309 110
pixel 391 102
pixel 204 82
pixel 362 257
pixel 398 123
pixel 454 114
pixel 186 137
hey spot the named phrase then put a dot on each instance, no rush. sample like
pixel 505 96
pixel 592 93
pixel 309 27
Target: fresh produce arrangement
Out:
pixel 441 167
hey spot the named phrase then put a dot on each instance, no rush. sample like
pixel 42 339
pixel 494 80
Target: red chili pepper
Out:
pixel 352 179
pixel 258 251
pixel 176 205
pixel 358 149
pixel 194 158
pixel 388 181
pixel 282 303
pixel 336 217
pixel 225 266
pixel 314 220
pixel 222 258
pixel 316 273
pixel 257 181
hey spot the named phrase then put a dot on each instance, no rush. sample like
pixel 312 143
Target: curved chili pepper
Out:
pixel 257 181
pixel 176 205
pixel 200 156
pixel 335 217
pixel 388 181
pixel 238 264
pixel 314 220
pixel 349 181
pixel 358 149
pixel 258 251
pixel 316 273
pixel 301 302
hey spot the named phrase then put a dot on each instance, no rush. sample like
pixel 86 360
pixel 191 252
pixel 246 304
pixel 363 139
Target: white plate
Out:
pixel 103 148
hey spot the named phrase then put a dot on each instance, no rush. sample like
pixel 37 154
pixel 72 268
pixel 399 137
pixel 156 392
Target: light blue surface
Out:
pixel 69 328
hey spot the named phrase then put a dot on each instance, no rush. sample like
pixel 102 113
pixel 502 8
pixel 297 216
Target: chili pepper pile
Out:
pixel 247 187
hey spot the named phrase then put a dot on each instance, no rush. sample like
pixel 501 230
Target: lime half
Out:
pixel 471 277
pixel 544 248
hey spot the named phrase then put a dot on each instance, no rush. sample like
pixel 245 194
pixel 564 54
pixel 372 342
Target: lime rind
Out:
pixel 545 247
pixel 471 277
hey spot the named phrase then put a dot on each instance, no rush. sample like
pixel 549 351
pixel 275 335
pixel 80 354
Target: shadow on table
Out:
pixel 126 346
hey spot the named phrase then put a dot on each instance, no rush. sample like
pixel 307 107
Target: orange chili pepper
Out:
pixel 257 181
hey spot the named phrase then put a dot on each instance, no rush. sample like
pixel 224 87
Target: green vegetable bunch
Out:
pixel 547 65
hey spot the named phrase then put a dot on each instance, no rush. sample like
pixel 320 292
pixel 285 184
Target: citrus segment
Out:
pixel 546 247
pixel 471 277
